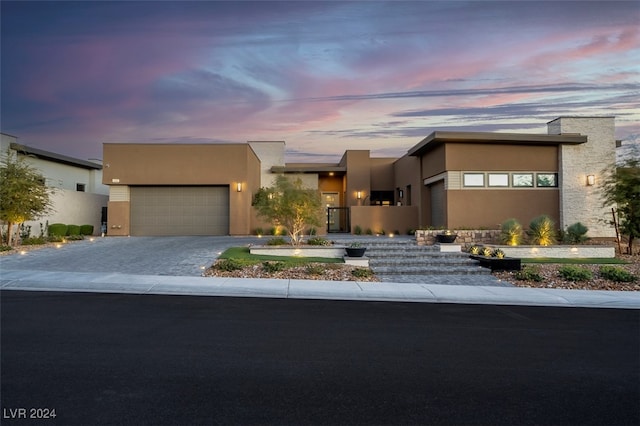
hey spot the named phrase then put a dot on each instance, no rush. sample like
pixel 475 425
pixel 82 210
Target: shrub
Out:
pixel 73 229
pixel 5 248
pixel 486 251
pixel 57 230
pixel 362 273
pixel 55 238
pixel 258 231
pixel 25 231
pixel 318 241
pixel 497 253
pixel 474 250
pixel 86 229
pixel 382 232
pixel 74 237
pixel 277 241
pixel 619 275
pixel 576 233
pixel 529 273
pixel 313 231
pixel 542 231
pixel 396 232
pixel 272 267
pixel 574 273
pixel 273 231
pixel 368 231
pixel 511 232
pixel 229 265
pixel 33 241
pixel 411 232
pixel 357 230
pixel 314 269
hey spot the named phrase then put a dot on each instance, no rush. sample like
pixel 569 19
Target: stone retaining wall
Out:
pixel 466 238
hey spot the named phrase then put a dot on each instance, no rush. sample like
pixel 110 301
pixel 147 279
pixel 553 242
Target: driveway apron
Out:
pixel 177 256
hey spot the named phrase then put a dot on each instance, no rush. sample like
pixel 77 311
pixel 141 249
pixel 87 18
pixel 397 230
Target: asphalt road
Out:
pixel 153 360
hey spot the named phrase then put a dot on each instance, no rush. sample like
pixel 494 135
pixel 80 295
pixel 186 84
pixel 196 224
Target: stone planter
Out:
pixel 446 238
pixel 498 264
pixel 355 251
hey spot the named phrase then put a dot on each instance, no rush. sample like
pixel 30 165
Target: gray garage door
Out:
pixel 179 210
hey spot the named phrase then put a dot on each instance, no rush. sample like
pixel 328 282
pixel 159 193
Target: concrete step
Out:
pixel 431 270
pixel 400 263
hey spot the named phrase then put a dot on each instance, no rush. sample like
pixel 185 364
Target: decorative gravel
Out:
pixel 330 272
pixel 551 278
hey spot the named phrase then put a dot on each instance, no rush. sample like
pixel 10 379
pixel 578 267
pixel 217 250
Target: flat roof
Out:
pixel 52 156
pixel 309 168
pixel 440 137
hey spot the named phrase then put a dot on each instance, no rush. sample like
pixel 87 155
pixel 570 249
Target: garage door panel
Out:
pixel 173 210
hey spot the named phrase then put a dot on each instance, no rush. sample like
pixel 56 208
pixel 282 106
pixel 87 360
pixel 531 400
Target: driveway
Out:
pixel 179 256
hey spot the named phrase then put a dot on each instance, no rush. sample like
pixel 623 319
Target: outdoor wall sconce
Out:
pixel 359 195
pixel 239 187
pixel 400 193
pixel 591 180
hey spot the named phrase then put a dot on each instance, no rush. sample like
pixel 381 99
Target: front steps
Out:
pixel 403 258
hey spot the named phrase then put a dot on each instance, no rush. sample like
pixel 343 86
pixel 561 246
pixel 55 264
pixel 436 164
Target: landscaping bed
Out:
pixel 239 262
pixel 551 278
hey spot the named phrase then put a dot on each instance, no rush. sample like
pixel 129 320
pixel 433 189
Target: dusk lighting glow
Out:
pixel 322 76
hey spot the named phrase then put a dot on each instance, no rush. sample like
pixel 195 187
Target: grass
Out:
pixel 242 253
pixel 576 260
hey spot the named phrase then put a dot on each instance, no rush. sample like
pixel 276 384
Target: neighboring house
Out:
pixel 79 197
pixel 449 179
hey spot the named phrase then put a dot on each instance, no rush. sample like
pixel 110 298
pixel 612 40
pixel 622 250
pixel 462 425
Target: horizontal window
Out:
pixel 546 180
pixel 522 180
pixel 498 179
pixel 473 179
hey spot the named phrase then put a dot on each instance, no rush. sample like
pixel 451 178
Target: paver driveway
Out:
pixel 180 256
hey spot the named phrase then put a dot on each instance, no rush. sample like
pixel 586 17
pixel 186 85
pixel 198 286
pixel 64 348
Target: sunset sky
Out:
pixel 322 76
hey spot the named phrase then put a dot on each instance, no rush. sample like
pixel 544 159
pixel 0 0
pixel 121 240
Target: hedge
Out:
pixel 57 229
pixel 86 229
pixel 73 229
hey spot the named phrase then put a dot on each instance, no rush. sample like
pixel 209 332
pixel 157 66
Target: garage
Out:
pixel 179 210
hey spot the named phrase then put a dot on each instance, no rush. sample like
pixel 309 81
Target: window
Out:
pixel 522 179
pixel 80 187
pixel 473 179
pixel 381 198
pixel 547 180
pixel 498 179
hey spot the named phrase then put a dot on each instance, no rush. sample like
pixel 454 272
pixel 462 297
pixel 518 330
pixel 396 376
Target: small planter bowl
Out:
pixel 446 238
pixel 355 251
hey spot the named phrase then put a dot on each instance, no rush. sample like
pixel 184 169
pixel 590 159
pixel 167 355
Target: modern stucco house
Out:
pixel 449 179
pixel 79 197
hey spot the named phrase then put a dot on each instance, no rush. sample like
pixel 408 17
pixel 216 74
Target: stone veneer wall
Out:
pixel 466 238
pixel 579 202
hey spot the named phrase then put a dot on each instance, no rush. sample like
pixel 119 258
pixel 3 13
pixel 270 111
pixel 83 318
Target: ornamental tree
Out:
pixel 621 187
pixel 290 205
pixel 23 194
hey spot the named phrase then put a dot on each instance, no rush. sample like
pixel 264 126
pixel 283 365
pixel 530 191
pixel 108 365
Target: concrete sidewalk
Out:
pixel 309 289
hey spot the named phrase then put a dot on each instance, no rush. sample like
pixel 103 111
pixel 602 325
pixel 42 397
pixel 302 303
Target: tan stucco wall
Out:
pixel 433 162
pixel 489 208
pixel 382 175
pixel 118 221
pixel 184 164
pixel 387 218
pixel 358 177
pixel 486 157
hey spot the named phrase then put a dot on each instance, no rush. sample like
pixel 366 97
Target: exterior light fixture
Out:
pixel 239 186
pixel 400 193
pixel 591 180
pixel 359 195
